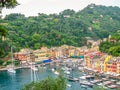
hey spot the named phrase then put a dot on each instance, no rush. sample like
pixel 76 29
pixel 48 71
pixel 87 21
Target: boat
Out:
pixel 66 72
pixel 96 81
pixel 33 72
pixel 86 83
pixel 104 79
pixel 100 84
pixel 68 85
pixel 56 72
pixel 66 69
pixel 42 68
pixel 104 87
pixel 34 68
pixel 113 80
pixel 113 86
pixel 73 79
pixel 82 78
pixel 81 68
pixel 53 69
pixel 84 86
pixel 108 83
pixel 11 68
pixel 90 77
pixel 118 83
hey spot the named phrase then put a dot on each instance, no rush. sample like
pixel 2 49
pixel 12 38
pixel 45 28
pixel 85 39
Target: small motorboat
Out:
pixel 56 72
pixel 72 79
pixel 84 86
pixel 66 72
pixel 12 70
pixel 113 86
pixel 68 85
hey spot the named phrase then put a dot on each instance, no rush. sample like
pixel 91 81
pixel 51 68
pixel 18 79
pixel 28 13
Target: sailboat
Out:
pixel 71 78
pixel 11 68
pixel 34 73
pixel 34 68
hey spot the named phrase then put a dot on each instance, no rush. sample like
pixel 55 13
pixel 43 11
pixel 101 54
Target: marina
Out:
pixel 58 45
pixel 76 80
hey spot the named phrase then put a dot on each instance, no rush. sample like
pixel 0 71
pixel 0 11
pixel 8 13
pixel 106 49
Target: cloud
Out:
pixel 24 1
pixel 33 7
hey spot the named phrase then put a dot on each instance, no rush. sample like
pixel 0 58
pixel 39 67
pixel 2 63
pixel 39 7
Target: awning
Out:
pixel 46 61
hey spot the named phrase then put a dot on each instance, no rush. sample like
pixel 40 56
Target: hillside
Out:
pixel 111 45
pixel 67 27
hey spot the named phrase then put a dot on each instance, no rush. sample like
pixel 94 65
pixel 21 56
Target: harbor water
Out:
pixel 10 81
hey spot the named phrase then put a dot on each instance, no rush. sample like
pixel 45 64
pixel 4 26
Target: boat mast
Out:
pixel 12 56
pixel 31 67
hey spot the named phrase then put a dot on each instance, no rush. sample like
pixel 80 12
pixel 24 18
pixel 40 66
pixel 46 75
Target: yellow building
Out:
pixel 88 62
pixel 106 63
pixel 42 54
pixel 98 66
pixel 72 52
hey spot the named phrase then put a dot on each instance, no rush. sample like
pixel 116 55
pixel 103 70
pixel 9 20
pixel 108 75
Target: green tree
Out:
pixel 68 27
pixel 36 38
pixel 37 45
pixel 8 3
pixel 3 31
pixel 112 46
pixel 115 50
pixel 47 84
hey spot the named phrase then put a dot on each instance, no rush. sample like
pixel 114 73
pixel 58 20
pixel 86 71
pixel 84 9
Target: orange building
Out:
pixel 21 56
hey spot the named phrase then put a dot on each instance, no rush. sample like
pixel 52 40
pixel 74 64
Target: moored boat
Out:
pixel 73 79
pixel 118 83
pixel 34 68
pixel 84 86
pixel 113 86
pixel 68 85
pixel 56 72
pixel 86 83
pixel 96 81
pixel 107 83
pixel 12 70
pixel 66 72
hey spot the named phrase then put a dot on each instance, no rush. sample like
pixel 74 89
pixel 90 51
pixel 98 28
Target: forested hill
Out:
pixel 67 27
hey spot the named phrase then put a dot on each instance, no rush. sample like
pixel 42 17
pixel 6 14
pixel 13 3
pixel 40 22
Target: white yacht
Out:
pixel 56 72
pixel 68 85
pixel 66 72
pixel 11 69
pixel 53 69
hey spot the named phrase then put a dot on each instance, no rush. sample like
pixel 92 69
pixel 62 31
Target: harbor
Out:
pixel 76 78
pixel 58 45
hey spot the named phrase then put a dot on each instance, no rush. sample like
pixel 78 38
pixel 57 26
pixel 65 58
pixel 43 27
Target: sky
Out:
pixel 33 7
